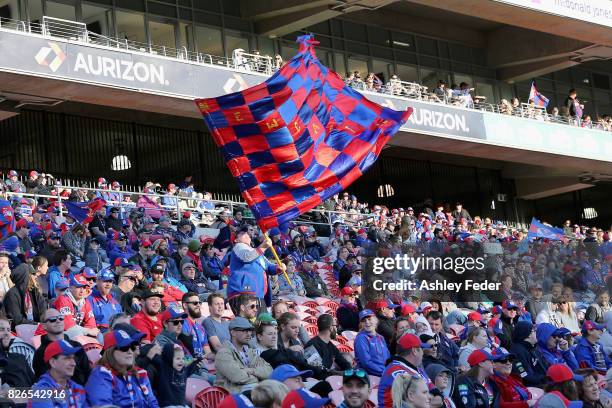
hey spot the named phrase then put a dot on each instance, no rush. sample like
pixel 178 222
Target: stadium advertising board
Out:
pixel 591 11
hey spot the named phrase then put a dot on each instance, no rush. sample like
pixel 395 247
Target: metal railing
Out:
pixel 255 63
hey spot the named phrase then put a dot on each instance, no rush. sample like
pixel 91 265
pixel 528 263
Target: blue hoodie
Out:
pixel 56 395
pixel 556 356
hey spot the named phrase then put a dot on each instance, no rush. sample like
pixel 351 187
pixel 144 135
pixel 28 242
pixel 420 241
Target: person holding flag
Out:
pixel 249 270
pixel 536 97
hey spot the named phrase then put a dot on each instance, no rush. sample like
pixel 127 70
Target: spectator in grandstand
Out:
pixel 470 390
pixel 22 231
pixel 348 311
pixel 562 387
pixel 5 275
pixel 269 394
pixel 290 376
pixel 212 265
pixel 52 246
pixel 443 381
pixel 13 183
pixel 386 315
pixel 235 372
pixel 588 388
pixel 113 221
pixel 15 357
pixel 116 380
pixel 53 324
pixel 408 360
pixel 172 320
pixel 294 286
pixel 103 303
pixel 355 389
pixel 60 360
pixel 573 106
pixel 529 362
pixel 554 347
pixel 371 350
pixel 77 312
pixel 410 392
pixel 460 213
pixel 588 351
pixel 313 283
pixel 199 285
pixel 597 310
pixel 216 327
pixel 192 305
pixel 330 355
pixel 249 269
pixel 477 339
pixel 508 389
pixel 75 240
pixel 24 303
pixel 535 304
pixel 439 92
pixel 509 319
pixel 222 223
pixel 148 320
pixel 95 256
pixel 143 256
pixel 448 351
pixel 266 333
pixel 118 248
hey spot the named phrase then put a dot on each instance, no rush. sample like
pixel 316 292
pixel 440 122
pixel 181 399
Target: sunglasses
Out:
pixel 55 319
pixel 176 322
pixel 195 302
pixel 254 306
pixel 124 349
pixel 505 361
pixel 355 373
pixel 132 278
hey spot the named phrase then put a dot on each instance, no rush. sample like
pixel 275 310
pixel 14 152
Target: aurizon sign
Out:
pixel 98 66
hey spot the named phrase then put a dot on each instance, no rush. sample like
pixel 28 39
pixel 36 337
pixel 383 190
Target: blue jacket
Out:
pixel 104 387
pixel 250 277
pixel 115 252
pixel 103 309
pixel 59 397
pixel 585 354
pixel 556 356
pixel 371 352
pixel 54 276
pixel 213 267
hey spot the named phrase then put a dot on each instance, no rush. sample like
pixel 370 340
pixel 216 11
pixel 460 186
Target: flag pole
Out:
pixel 278 261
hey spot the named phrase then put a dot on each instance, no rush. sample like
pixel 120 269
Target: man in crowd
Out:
pixel 126 282
pixel 588 351
pixel 329 353
pixel 290 376
pixel 16 369
pixel 77 311
pixel 192 305
pixel 355 389
pixel 148 321
pixel 448 351
pixel 102 301
pixel 216 327
pixel 529 363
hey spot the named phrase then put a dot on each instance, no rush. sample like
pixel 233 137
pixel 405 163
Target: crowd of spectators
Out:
pixel 129 309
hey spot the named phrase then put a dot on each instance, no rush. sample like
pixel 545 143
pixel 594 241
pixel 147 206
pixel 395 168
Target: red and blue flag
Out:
pixel 299 137
pixel 537 98
pixel 539 230
pixel 84 212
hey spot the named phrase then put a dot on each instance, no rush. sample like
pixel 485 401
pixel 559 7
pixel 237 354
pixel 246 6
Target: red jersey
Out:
pixel 144 324
pixel 74 316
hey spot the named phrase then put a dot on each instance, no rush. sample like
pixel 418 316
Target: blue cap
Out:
pixel 55 235
pixel 122 262
pixel 62 284
pixel 303 398
pixel 59 347
pixel 106 275
pixel 88 272
pixel 285 371
pixel 120 338
pixel 236 401
pixel 355 280
pixel 482 310
pixel 274 231
pixel 365 313
pixel 591 325
pixel 501 354
pixel 391 305
pixel 561 332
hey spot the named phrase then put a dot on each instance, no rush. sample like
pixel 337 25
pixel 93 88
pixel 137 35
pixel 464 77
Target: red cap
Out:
pixel 474 316
pixel 361 231
pixel 379 304
pixel 407 309
pixel 560 373
pixel 347 291
pixel 22 223
pixel 59 347
pixel 409 340
pixel 186 214
pixel 478 356
pixel 171 186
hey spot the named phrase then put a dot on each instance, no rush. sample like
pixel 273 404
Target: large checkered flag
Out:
pixel 298 138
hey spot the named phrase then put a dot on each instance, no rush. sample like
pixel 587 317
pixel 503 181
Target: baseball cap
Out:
pixel 591 325
pixel 88 272
pixel 303 399
pixel 474 316
pixel 59 347
pixel 407 309
pixel 13 173
pixel 424 306
pixel 115 184
pixel 172 313
pixel 285 371
pixel 497 325
pixel 22 223
pixel 478 356
pixel 240 323
pixel 106 275
pixel 560 373
pixel 365 313
pixel 508 304
pixel 55 235
pixel 409 340
pixel 78 280
pixel 149 294
pixel 501 353
pixel 122 262
pixel 356 373
pixel 62 284
pixel 267 319
pixel 157 269
pixel 120 338
pixel 561 332
pixel 236 401
pixel 145 243
pixel 426 337
pixel 347 291
pixel 355 280
pixel 101 180
pixel 113 210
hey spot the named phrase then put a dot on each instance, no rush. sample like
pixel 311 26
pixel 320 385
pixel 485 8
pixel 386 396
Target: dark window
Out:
pixel 354 31
pixel 427 46
pixel 601 81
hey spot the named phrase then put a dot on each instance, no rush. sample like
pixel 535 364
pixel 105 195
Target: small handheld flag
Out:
pixel 537 98
pixel 298 138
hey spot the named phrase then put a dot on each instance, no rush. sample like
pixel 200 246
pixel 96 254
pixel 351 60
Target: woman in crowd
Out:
pixel 510 389
pixel 269 394
pixel 562 386
pixel 476 339
pixel 24 303
pixel 116 380
pixel 400 326
pixel 472 389
pixel 567 316
pixel 266 334
pixel 295 286
pixel 410 391
pixel 588 389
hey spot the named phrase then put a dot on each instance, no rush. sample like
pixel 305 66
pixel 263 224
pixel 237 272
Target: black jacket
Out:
pixel 297 359
pixel 469 393
pixel 14 300
pixel 171 385
pixel 348 318
pixel 528 364
pixel 16 371
pixel 329 354
pixel 82 370
pixel 385 328
pixel 507 328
